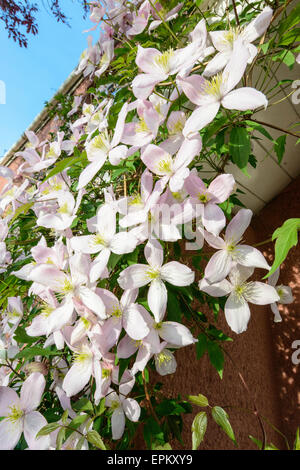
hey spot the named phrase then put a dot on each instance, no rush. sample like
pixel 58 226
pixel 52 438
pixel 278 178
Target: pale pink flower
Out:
pixel 284 292
pixel 20 415
pixel 166 15
pixel 121 407
pixel 223 41
pixel 139 20
pixel 107 49
pixel 59 216
pixel 237 312
pixel 206 199
pixel 105 241
pixel 70 287
pixel 174 170
pixel 142 132
pixel 158 66
pixel 208 96
pixel 155 273
pixel 230 251
pixel 101 147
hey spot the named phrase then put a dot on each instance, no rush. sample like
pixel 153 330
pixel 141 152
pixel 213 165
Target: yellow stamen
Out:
pixel 163 61
pixel 15 414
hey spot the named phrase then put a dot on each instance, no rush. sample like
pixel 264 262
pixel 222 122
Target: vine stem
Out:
pixel 264 242
pixel 275 127
pixel 236 13
pixel 149 400
pixel 12 369
pixel 164 22
pixel 255 410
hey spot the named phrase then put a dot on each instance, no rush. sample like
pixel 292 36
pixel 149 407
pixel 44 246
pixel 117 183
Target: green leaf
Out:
pixel 216 356
pixel 221 418
pixel 75 423
pixel 259 128
pixel 198 429
pixel 279 147
pixel 32 351
pixel 173 307
pixel 63 164
pixel 100 408
pixel 287 237
pixel 83 404
pixel 156 446
pixel 65 416
pixel 201 345
pixel 292 20
pixel 60 438
pixel 123 363
pixel 297 441
pixel 48 429
pixel 239 146
pixel 21 210
pixel 95 439
pixel 22 337
pixel 199 400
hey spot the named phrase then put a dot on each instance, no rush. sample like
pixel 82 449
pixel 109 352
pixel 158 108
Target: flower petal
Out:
pixel 32 391
pixel 33 423
pixel 10 433
pixel 134 276
pixel 218 266
pixel 176 334
pixel 157 299
pixel 117 423
pixel 237 313
pixel 132 409
pixel 244 99
pixel 200 118
pixel 177 274
pixel 260 294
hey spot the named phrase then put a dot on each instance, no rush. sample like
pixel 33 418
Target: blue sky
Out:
pixel 33 75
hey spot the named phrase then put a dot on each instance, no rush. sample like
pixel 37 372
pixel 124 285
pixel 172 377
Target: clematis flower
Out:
pixel 100 147
pixel 107 48
pixel 142 132
pixel 206 199
pixel 121 406
pixel 139 205
pixel 105 241
pixel 86 357
pixel 13 315
pixel 34 162
pixel 70 287
pixel 284 292
pixel 20 415
pixel 62 217
pixel 223 41
pixel 154 273
pixel 175 126
pixel 139 20
pixel 165 362
pixel 126 314
pixel 89 59
pixel 175 170
pixel 208 96
pixel 157 67
pixel 230 251
pixel 237 312
pixel 163 14
pixel 144 347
